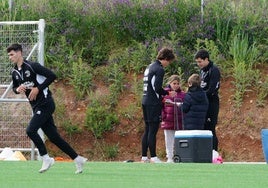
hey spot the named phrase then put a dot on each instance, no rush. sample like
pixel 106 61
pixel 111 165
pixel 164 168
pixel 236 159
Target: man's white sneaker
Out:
pixel 79 163
pixel 47 163
pixel 155 160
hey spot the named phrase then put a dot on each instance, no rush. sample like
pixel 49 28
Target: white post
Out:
pixel 202 11
pixel 41 30
pixel 10 7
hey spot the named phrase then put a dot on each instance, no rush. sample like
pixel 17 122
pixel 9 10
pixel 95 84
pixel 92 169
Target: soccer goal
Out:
pixel 15 111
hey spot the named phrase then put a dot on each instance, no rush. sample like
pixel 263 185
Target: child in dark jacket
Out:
pixel 195 105
pixel 171 117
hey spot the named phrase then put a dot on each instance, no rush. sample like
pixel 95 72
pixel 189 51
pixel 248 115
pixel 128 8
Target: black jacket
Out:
pixel 210 76
pixel 152 84
pixel 195 106
pixel 33 75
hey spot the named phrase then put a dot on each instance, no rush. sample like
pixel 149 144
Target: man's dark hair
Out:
pixel 166 54
pixel 202 54
pixel 15 47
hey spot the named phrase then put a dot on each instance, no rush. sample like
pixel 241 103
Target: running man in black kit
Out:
pixel 32 79
pixel 152 102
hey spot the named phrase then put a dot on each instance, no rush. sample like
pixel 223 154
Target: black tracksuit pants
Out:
pixel 212 119
pixel 42 118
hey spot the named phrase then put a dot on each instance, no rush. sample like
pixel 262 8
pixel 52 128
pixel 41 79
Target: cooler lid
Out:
pixel 193 133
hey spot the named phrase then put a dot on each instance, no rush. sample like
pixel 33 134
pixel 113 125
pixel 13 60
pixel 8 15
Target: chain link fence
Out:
pixel 15 111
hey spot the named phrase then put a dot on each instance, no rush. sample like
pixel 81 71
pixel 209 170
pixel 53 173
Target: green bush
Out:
pixel 61 118
pixel 116 81
pixel 244 56
pixel 99 119
pixel 111 151
pixel 60 57
pixel 81 78
pixel 262 92
pixel 4 11
pixel 242 50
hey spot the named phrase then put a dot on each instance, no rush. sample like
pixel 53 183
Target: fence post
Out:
pixel 202 11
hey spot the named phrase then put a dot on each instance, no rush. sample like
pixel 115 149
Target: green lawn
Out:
pixel 129 175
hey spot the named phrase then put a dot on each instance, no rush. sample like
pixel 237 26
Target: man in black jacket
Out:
pixel 210 76
pixel 152 101
pixel 32 79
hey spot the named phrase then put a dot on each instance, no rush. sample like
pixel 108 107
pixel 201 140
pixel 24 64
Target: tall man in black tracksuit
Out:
pixel 210 76
pixel 32 79
pixel 152 102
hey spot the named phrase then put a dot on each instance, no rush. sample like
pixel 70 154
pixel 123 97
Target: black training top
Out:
pixel 33 75
pixel 210 76
pixel 152 84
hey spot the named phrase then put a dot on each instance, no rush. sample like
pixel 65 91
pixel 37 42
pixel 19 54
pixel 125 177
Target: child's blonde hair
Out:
pixel 194 80
pixel 173 78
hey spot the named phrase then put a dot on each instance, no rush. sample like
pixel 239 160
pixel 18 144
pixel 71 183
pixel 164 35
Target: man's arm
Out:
pixel 47 75
pixel 15 84
pixel 159 76
pixel 44 77
pixel 214 82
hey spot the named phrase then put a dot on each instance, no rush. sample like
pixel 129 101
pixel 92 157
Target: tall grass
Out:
pixel 81 78
pixel 244 56
pixel 262 92
pixel 223 32
pixel 242 50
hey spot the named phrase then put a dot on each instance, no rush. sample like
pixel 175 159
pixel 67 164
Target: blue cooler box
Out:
pixel 194 146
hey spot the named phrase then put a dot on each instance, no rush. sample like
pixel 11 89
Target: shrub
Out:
pixel 111 151
pixel 99 119
pixel 116 80
pixel 61 117
pixel 81 78
pixel 244 56
pixel 242 50
pixel 262 92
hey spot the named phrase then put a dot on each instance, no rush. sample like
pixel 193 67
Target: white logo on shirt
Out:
pixel 27 73
pixel 203 84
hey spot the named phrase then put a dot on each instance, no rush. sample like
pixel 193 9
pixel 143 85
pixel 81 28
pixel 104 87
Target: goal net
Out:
pixel 15 111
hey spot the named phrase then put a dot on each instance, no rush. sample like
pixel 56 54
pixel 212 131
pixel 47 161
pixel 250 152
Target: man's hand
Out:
pixel 21 89
pixel 34 92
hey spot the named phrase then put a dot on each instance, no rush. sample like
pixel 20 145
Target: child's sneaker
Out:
pixel 79 163
pixel 155 160
pixel 170 161
pixel 217 160
pixel 47 163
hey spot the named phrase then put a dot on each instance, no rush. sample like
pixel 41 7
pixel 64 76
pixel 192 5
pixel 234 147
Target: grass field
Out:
pixel 129 175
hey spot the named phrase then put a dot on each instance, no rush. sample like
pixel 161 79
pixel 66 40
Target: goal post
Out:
pixel 15 111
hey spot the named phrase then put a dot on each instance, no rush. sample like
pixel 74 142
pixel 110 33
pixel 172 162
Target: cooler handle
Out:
pixel 183 143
